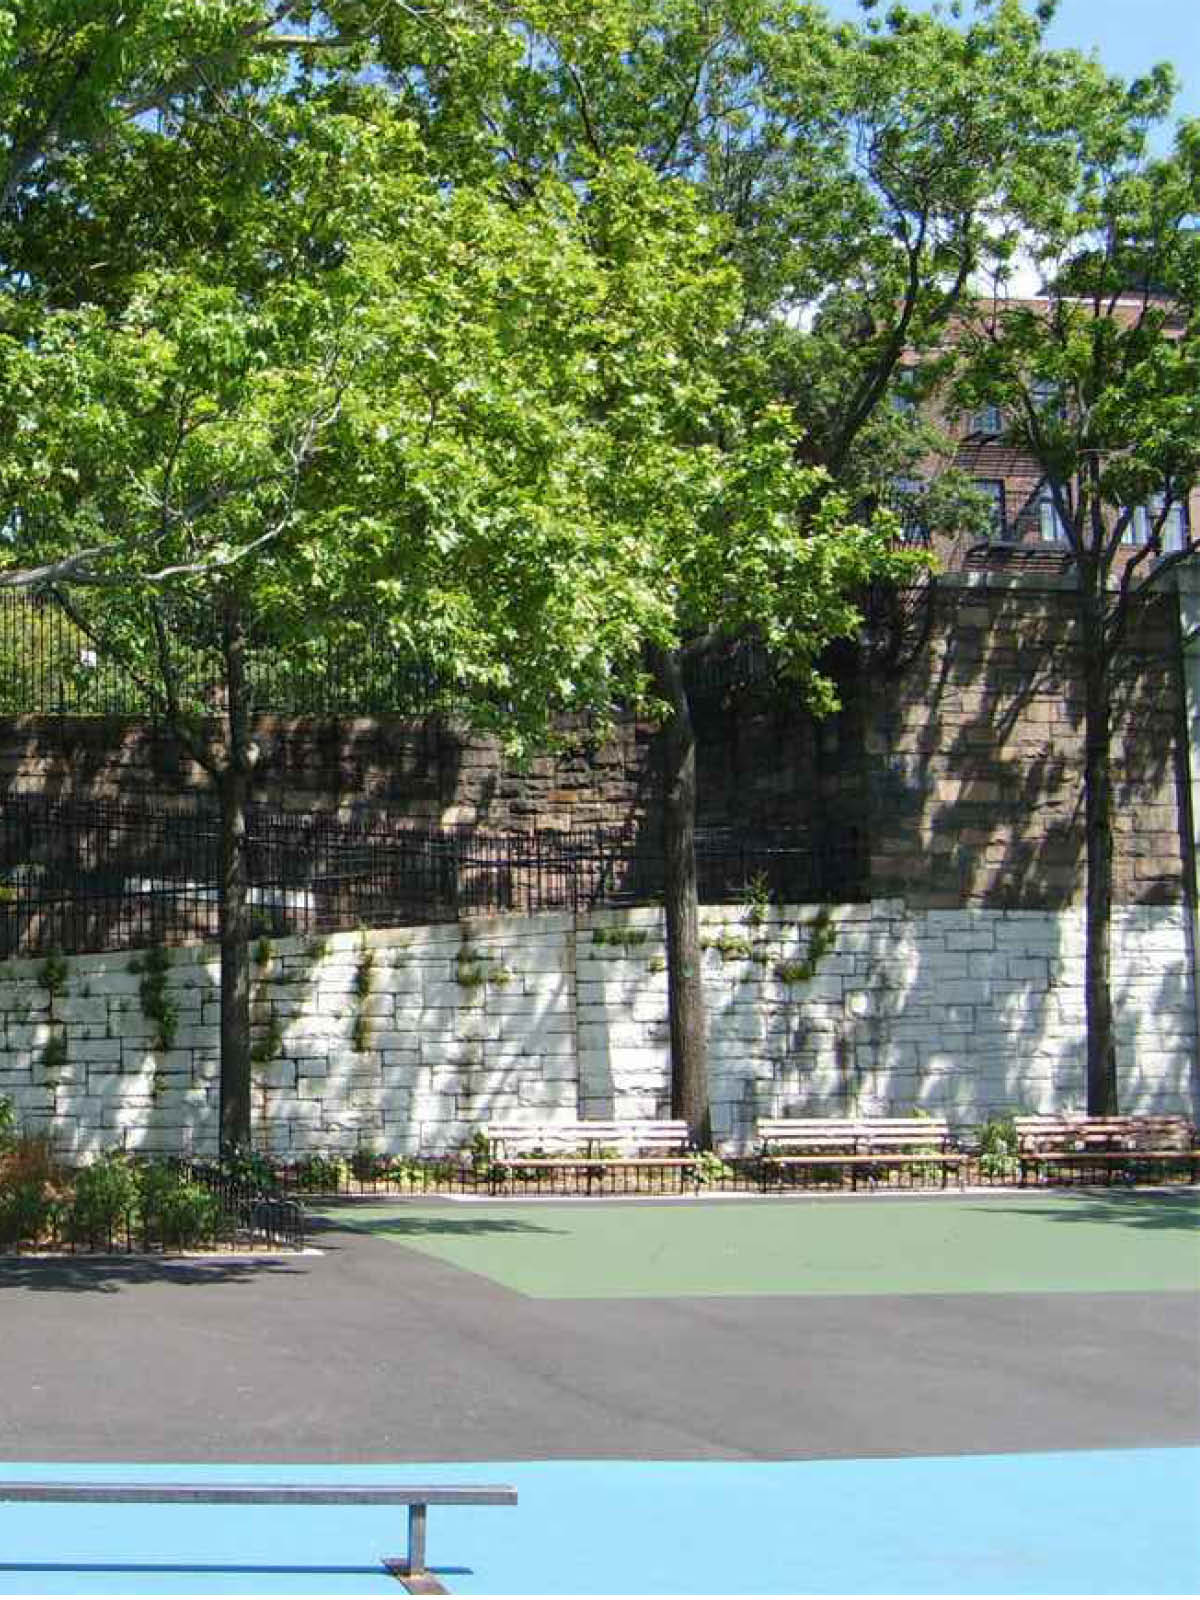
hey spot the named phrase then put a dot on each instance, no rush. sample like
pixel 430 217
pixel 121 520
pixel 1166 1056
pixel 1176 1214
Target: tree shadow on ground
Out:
pixel 108 1274
pixel 446 1227
pixel 1158 1212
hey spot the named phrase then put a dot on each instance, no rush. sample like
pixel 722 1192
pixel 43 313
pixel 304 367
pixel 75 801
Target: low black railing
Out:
pixel 91 876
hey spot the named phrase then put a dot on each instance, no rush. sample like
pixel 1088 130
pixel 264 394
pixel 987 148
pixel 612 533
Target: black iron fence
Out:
pixel 50 667
pixel 89 876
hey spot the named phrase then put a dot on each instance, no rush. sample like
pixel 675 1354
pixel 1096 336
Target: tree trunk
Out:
pixel 1098 801
pixel 233 788
pixel 685 990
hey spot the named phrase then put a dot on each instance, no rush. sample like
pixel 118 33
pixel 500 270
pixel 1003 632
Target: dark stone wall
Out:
pixel 956 780
pixel 975 758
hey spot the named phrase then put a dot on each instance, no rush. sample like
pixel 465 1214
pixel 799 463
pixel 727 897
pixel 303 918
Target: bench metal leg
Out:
pixel 412 1571
pixel 416 1537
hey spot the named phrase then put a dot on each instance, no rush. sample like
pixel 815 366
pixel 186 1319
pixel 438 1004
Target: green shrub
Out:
pixel 176 1211
pixel 29 1178
pixel 27 1209
pixel 105 1196
pixel 368 1166
pixel 708 1169
pixel 186 1214
pixel 249 1167
pixel 321 1173
pixel 998 1148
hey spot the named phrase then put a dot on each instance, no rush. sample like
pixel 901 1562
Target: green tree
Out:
pixel 1099 380
pixel 861 175
pixel 387 394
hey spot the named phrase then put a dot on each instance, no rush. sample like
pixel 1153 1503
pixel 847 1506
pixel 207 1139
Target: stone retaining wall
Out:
pixel 408 1040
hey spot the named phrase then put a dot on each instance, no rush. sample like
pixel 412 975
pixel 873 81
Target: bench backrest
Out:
pixel 563 1138
pixel 1134 1132
pixel 878 1132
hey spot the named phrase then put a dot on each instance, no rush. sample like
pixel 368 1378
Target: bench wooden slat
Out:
pixel 1058 1139
pixel 856 1142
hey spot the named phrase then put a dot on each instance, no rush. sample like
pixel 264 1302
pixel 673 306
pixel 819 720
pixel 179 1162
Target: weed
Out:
pixel 157 1005
pixel 269 1045
pixel 54 1055
pixel 622 938
pixel 732 946
pixel 53 974
pixel 756 897
pixel 364 975
pixel 822 936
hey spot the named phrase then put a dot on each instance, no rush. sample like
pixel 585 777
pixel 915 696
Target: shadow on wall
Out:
pixel 978 810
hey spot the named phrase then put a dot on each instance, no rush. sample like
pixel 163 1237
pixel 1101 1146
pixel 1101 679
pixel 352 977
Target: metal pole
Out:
pixel 416 1538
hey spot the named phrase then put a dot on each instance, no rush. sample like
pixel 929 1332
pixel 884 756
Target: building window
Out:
pixel 1174 532
pixel 907 500
pixel 903 401
pixel 993 489
pixel 988 421
pixel 1046 397
pixel 1051 526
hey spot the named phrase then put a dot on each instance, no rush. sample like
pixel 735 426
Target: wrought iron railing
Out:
pixel 93 876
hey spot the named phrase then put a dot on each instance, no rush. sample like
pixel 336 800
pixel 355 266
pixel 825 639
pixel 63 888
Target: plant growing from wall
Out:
pixel 822 937
pixel 269 1044
pixel 54 1054
pixel 157 1005
pixel 756 898
pixel 733 946
pixel 364 985
pixel 621 938
pixel 470 971
pixel 52 975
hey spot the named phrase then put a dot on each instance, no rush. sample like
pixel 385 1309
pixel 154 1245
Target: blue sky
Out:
pixel 1128 36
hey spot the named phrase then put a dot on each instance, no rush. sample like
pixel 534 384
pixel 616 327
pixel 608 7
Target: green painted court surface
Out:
pixel 1004 1244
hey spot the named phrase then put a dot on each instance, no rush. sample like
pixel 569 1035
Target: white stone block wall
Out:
pixel 408 1040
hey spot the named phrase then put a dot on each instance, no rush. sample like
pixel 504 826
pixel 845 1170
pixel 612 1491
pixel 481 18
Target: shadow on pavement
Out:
pixel 109 1274
pixel 1171 1212
pixel 446 1227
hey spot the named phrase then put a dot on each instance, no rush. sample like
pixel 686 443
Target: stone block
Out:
pixel 552 1096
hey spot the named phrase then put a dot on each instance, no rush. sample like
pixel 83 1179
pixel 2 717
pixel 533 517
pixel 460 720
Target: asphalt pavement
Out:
pixel 367 1350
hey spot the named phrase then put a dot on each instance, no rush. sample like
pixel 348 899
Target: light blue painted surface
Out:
pixel 1094 1522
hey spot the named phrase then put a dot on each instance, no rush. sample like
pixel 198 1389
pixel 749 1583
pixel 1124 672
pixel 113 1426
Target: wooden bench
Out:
pixel 410 1570
pixel 589 1147
pixel 857 1143
pixel 1106 1144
